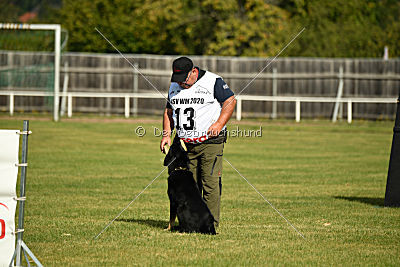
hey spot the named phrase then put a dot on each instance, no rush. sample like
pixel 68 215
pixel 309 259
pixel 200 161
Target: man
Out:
pixel 199 105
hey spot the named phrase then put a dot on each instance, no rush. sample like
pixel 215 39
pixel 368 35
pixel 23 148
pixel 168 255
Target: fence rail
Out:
pixel 240 98
pixel 232 75
pixel 288 77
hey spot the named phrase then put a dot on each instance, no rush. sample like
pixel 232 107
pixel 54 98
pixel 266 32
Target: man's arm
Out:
pixel 167 128
pixel 226 113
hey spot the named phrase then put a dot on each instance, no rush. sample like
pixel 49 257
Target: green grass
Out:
pixel 327 179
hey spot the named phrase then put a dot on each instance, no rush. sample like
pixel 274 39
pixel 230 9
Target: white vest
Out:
pixel 195 109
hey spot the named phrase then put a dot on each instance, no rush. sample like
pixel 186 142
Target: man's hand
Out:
pixel 165 140
pixel 226 113
pixel 167 126
pixel 215 129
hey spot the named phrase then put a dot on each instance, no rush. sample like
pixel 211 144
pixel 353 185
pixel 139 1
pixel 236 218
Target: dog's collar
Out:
pixel 180 169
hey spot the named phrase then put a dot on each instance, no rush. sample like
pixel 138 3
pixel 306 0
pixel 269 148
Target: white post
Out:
pixel 126 106
pixel 57 58
pixel 297 110
pixel 349 111
pixel 274 93
pixel 11 104
pixel 65 89
pixel 238 109
pixel 135 88
pixel 109 77
pixel 386 53
pixel 338 96
pixel 69 105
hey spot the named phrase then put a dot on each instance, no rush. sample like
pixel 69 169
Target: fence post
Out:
pixel 274 93
pixel 57 59
pixel 11 104
pixel 135 88
pixel 297 110
pixel 65 89
pixel 338 96
pixel 69 112
pixel 238 108
pixel 10 63
pixel 126 106
pixel 109 85
pixel 349 112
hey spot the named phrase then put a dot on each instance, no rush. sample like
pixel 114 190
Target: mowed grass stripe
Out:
pixel 328 179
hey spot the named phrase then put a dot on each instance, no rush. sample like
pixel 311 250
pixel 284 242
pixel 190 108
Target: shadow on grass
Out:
pixel 150 222
pixel 374 201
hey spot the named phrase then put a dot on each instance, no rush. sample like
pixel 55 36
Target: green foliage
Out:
pixel 8 11
pixel 138 27
pixel 174 27
pixel 340 28
pixel 247 29
pixel 345 28
pixel 26 40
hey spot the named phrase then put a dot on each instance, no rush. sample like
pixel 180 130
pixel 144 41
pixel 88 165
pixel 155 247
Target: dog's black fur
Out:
pixel 185 198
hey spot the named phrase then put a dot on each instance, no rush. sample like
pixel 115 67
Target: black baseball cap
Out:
pixel 181 67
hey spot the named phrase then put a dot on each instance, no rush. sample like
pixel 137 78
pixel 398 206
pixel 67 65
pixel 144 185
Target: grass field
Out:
pixel 327 179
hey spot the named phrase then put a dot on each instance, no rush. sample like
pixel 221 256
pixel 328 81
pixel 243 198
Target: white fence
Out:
pixel 239 98
pixel 288 77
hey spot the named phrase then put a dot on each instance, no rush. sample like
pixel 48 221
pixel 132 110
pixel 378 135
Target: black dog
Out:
pixel 184 196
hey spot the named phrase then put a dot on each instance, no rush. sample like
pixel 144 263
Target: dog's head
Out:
pixel 177 157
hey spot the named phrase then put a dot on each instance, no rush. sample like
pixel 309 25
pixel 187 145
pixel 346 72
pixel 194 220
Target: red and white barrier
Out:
pixel 9 147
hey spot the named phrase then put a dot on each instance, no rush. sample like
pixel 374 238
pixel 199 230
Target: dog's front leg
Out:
pixel 172 215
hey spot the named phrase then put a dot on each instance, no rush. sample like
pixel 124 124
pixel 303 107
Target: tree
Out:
pixel 247 28
pixel 340 28
pixel 158 27
pixel 174 27
pixel 344 28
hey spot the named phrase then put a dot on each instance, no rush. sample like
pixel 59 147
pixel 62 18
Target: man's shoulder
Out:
pixel 173 87
pixel 212 75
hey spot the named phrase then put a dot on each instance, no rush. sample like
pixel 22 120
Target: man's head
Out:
pixel 183 72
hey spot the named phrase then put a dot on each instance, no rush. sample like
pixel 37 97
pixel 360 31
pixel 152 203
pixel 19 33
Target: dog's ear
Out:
pixel 166 148
pixel 168 158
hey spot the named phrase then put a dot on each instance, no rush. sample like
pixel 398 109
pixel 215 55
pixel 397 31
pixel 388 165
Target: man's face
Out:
pixel 190 79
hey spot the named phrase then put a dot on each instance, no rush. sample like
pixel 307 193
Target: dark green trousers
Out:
pixel 206 166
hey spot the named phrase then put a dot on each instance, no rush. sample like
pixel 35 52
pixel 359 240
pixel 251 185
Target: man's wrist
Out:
pixel 166 133
pixel 219 124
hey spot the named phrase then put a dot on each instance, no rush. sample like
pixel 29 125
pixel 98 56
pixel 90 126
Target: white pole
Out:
pixel 297 110
pixel 126 106
pixel 349 111
pixel 57 58
pixel 238 109
pixel 274 93
pixel 11 104
pixel 65 89
pixel 338 96
pixel 386 53
pixel 69 105
pixel 135 89
pixel 109 77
